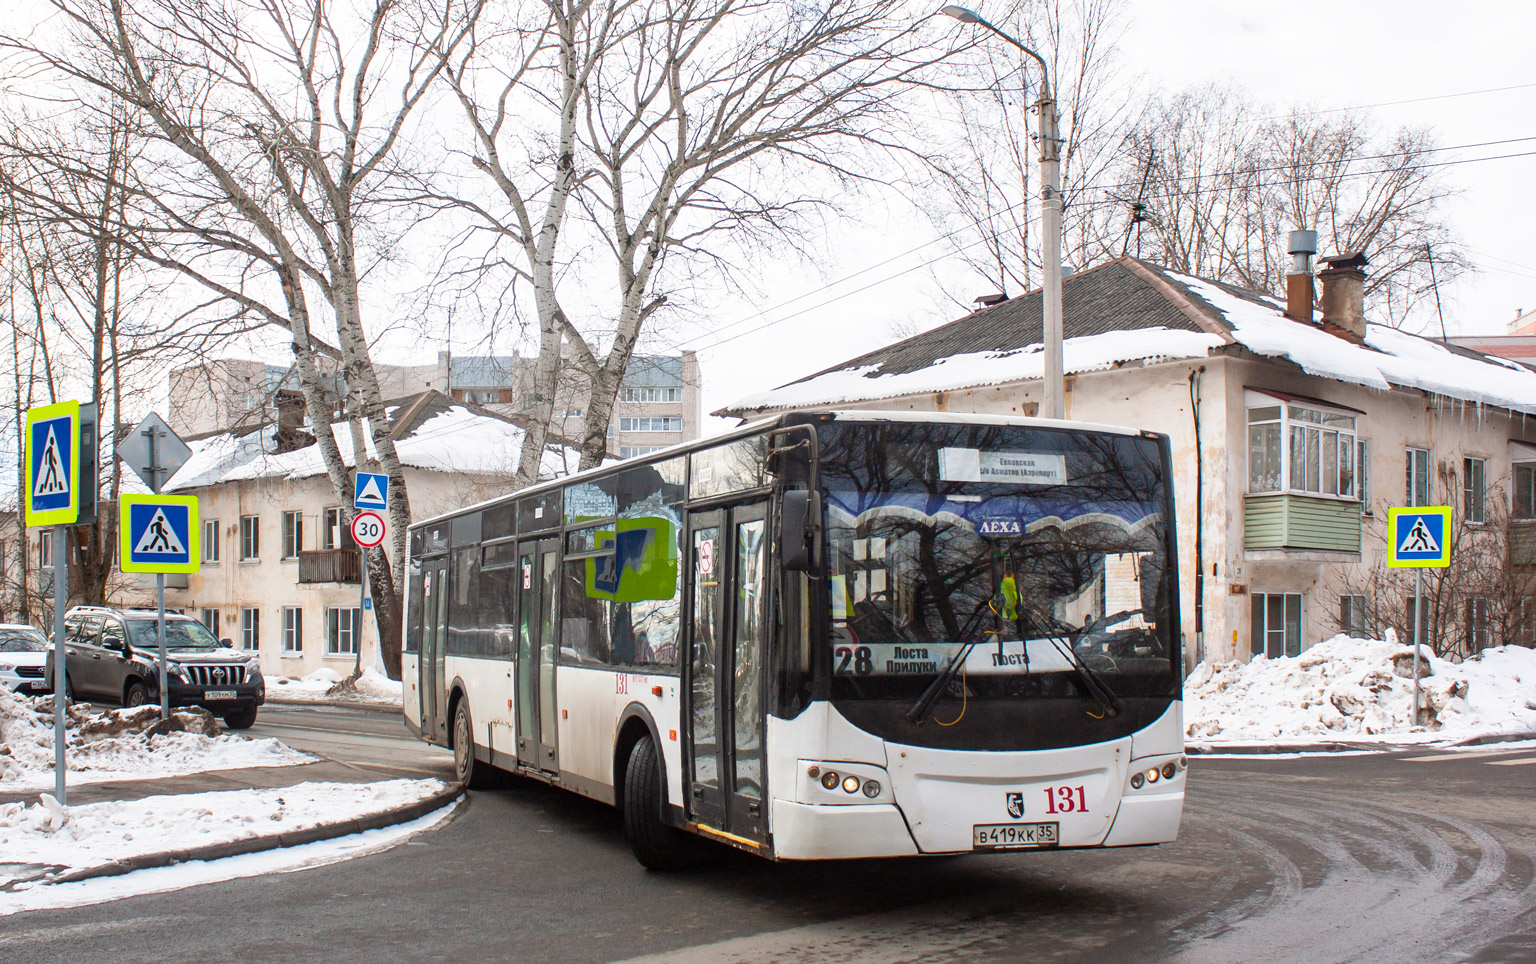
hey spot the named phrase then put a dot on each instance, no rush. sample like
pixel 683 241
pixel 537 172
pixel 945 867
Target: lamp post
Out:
pixel 1050 217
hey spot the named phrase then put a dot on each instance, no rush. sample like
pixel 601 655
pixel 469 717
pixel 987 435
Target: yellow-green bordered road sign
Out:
pixel 53 464
pixel 158 533
pixel 1419 537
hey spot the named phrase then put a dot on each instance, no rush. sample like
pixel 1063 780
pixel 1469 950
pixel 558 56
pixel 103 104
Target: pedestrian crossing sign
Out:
pixel 158 533
pixel 52 464
pixel 1419 537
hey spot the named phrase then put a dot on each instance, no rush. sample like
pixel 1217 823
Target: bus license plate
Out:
pixel 1002 836
pixel 218 694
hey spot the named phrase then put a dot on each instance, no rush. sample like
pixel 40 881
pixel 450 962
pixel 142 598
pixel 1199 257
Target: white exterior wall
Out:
pixel 1157 398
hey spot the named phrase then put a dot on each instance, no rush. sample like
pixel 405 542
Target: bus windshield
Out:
pixel 1021 554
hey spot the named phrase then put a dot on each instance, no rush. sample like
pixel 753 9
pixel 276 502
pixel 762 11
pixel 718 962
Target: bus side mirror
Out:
pixel 798 522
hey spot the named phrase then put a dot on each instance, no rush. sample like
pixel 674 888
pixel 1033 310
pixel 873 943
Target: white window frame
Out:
pixel 45 549
pixel 636 451
pixel 1525 468
pixel 210 619
pixel 1353 618
pixel 250 628
pixel 1312 431
pixel 293 629
pixel 651 394
pixel 211 542
pixel 1417 455
pixel 293 534
pixel 1282 630
pixel 1477 626
pixel 1474 493
pixel 250 538
pixel 342 640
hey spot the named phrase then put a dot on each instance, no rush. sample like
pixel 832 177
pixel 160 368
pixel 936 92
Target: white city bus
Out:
pixel 823 636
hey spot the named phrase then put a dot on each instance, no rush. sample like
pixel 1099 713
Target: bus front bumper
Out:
pixel 1146 818
pixel 804 831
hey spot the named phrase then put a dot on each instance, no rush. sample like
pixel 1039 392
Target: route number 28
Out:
pixel 863 665
pixel 1065 800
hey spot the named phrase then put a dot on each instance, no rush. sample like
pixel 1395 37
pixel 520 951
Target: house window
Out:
pixel 341 626
pixel 293 534
pixel 1298 448
pixel 336 534
pixel 211 540
pixel 293 629
pixel 210 618
pixel 650 394
pixel 1363 472
pixel 1477 632
pixel 1418 476
pixel 667 423
pixel 250 538
pixel 45 549
pixel 1524 495
pixel 250 627
pixel 1276 625
pixel 1352 617
pixel 634 451
pixel 1474 493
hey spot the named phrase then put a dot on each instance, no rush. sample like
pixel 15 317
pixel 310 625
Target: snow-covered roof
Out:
pixel 452 437
pixel 1130 311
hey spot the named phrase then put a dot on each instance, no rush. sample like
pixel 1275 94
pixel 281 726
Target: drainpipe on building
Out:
pixel 1194 405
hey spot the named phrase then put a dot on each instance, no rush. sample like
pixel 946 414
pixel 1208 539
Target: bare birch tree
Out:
pixel 273 142
pixel 652 149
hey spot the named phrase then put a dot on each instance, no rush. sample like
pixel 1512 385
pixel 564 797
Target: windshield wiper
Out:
pixel 930 695
pixel 1092 681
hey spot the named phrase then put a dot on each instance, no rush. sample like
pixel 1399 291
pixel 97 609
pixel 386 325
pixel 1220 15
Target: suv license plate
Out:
pixel 1005 836
pixel 218 694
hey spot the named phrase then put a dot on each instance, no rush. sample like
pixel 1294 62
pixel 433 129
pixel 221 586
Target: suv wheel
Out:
pixel 136 694
pixel 240 719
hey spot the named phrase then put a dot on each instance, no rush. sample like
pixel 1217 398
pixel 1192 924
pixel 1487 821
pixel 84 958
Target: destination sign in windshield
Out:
pixel 926 659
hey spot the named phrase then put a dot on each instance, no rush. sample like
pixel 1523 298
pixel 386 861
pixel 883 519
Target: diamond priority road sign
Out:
pixel 158 533
pixel 1418 537
pixel 53 464
pixel 153 451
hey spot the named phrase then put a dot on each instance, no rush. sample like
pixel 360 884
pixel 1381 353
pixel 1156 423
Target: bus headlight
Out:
pixel 850 784
pixel 1137 780
pixel 829 779
pixel 1169 769
pixel 1153 775
pixel 871 788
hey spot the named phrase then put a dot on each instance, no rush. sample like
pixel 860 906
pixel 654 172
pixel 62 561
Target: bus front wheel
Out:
pixel 656 845
pixel 472 774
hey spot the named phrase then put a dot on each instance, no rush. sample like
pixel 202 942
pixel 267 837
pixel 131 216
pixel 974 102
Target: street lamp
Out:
pixel 1050 217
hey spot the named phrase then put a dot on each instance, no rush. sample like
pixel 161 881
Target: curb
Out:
pixel 343 704
pixel 275 841
pixel 1274 748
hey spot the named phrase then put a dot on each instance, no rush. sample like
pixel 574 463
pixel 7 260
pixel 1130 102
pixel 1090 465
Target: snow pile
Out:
pixel 325 685
pixel 121 744
pixel 1355 689
pixel 97 833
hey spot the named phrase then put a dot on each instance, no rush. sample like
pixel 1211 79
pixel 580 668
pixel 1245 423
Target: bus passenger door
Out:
pixel 536 649
pixel 725 669
pixel 434 632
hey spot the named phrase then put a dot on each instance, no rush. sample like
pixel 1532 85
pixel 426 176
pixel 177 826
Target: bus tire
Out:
pixel 471 773
pixel 656 845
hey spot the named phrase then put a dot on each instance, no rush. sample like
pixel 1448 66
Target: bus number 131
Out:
pixel 1065 800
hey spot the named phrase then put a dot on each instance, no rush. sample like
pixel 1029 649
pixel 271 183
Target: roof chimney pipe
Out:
pixel 1301 246
pixel 1343 300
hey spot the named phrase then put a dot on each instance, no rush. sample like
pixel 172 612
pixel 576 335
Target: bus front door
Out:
pixel 725 669
pixel 536 649
pixel 434 634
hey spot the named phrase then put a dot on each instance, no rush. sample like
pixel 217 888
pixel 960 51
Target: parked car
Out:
pixel 24 658
pixel 112 655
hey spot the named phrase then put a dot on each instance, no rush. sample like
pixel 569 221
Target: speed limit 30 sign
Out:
pixel 368 529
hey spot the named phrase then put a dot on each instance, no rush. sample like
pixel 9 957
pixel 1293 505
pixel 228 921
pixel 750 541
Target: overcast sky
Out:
pixel 1319 55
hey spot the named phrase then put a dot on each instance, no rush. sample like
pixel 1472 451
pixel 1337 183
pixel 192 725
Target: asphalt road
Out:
pixel 1391 858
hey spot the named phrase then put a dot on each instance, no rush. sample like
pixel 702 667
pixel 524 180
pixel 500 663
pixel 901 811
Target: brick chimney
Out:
pixel 1301 246
pixel 1343 300
pixel 290 422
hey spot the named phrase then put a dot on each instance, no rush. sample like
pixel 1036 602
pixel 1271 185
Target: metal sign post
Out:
pixel 159 534
pixel 52 462
pixel 368 530
pixel 1418 538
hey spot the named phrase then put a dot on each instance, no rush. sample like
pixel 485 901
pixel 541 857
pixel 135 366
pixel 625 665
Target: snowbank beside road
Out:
pixel 121 744
pixel 372 688
pixel 1360 690
pixel 45 838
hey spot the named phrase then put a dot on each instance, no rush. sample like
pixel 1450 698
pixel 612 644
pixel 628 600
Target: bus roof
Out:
pixel 748 429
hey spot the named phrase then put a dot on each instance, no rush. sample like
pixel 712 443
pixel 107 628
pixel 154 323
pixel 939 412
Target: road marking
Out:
pixel 1480 756
pixel 1513 763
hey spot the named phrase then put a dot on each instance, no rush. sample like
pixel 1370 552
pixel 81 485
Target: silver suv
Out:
pixel 113 655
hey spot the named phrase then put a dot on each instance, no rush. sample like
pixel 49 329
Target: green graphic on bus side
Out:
pixel 642 565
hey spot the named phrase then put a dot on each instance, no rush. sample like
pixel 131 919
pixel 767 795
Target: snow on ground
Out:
pixel 1349 689
pixel 192 873
pixel 113 745
pixel 320 686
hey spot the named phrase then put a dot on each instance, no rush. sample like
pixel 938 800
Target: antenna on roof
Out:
pixel 1138 206
pixel 1429 253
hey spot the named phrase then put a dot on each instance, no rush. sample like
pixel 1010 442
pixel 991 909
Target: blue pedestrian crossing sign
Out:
pixel 1419 537
pixel 53 463
pixel 158 533
pixel 370 490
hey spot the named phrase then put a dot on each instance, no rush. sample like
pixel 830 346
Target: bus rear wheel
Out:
pixel 472 774
pixel 656 845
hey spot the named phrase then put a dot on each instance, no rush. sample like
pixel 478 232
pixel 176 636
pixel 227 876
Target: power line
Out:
pixel 1395 103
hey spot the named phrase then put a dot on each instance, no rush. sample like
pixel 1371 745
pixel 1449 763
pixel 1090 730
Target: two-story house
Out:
pixel 1291 435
